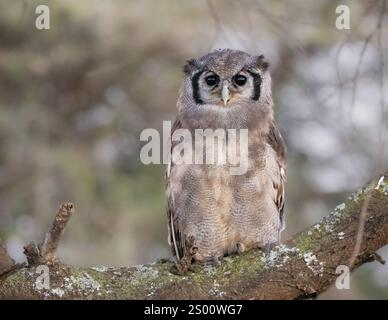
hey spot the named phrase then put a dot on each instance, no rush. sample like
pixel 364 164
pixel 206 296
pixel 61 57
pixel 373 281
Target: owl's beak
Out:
pixel 225 94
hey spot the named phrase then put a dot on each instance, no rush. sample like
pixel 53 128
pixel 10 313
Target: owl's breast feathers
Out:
pixel 248 208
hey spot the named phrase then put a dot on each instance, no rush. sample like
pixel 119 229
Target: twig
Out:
pixel 384 126
pixel 47 251
pixel 31 251
pixel 361 57
pixel 376 257
pixel 50 245
pixel 361 226
pixel 282 30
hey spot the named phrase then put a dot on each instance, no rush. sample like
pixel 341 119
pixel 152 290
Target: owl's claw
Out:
pixel 240 248
pixel 193 251
pixel 181 266
pixel 184 264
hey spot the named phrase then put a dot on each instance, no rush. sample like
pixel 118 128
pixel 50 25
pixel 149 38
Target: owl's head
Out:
pixel 227 78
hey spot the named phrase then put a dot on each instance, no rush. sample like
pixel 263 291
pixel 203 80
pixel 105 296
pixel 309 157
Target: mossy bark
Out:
pixel 302 267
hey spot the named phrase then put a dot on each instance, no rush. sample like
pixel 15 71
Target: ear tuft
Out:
pixel 190 66
pixel 261 63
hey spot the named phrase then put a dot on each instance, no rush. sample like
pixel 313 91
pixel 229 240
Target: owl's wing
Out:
pixel 275 140
pixel 175 238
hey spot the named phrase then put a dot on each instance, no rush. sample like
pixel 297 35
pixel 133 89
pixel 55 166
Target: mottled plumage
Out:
pixel 211 212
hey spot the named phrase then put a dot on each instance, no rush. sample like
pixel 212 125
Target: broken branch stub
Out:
pixel 46 253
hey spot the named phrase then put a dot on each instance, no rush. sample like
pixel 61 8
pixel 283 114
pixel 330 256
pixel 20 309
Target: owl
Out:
pixel 212 213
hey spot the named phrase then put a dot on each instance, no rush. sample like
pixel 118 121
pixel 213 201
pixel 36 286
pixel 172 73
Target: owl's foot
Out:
pixel 240 248
pixel 182 267
pixel 191 249
pixel 184 264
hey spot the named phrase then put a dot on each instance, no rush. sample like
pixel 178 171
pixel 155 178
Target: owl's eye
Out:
pixel 212 80
pixel 240 80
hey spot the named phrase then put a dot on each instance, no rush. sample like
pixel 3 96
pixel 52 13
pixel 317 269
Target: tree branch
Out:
pixel 302 267
pixel 46 253
pixel 6 262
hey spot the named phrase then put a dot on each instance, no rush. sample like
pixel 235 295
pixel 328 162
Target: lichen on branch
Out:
pixel 302 267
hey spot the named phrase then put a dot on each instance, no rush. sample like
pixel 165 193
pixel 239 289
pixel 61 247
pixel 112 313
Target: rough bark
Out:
pixel 302 267
pixel 6 262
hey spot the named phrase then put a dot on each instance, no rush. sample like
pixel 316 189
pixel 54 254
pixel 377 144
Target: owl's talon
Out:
pixel 240 248
pixel 184 264
pixel 193 251
pixel 180 268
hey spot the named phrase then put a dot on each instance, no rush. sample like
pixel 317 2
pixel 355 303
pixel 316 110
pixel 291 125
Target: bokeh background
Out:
pixel 74 99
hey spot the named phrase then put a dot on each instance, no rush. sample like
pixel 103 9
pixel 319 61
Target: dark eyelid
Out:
pixel 244 72
pixel 253 73
pixel 211 74
pixel 249 72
